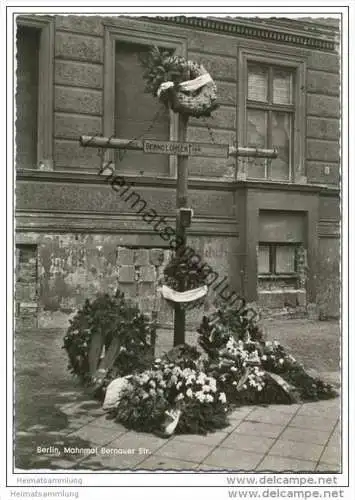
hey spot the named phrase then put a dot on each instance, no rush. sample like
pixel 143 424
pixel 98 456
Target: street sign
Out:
pixel 186 148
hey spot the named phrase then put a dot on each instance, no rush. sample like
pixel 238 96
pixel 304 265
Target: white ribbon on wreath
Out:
pixel 188 296
pixel 188 86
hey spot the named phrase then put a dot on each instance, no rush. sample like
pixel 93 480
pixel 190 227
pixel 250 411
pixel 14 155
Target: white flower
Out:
pixel 158 376
pixel 281 361
pixel 189 393
pixel 152 392
pixel 234 369
pixel 179 396
pixel 178 385
pixel 152 383
pixel 264 357
pixel 200 396
pixel 206 388
pixel 209 398
pixel 222 398
pixel 200 379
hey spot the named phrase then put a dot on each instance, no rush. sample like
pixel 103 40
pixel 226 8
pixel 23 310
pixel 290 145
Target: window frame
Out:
pixel 120 32
pixel 272 246
pixel 298 66
pixel 45 89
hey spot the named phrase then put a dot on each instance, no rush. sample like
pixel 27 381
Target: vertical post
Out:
pixel 181 202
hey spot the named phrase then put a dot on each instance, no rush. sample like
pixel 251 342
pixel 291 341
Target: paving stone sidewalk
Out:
pixel 52 413
pixel 276 438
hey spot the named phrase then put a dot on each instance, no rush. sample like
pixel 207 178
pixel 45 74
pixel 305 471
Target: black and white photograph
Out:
pixel 177 255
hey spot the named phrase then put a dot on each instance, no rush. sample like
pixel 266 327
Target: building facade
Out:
pixel 271 229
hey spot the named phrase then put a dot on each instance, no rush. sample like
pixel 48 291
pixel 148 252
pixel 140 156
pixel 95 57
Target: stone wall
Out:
pixel 79 57
pixel 27 293
pixel 79 224
pixel 73 267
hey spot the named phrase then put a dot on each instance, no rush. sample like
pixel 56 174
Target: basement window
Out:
pixel 276 259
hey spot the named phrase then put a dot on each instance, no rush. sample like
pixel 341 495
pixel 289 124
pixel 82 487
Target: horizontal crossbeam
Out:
pixel 132 144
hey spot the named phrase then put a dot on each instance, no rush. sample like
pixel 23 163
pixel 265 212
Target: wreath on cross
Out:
pixel 184 86
pixel 182 270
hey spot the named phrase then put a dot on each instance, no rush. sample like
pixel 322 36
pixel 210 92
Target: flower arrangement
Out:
pixel 241 323
pixel 237 370
pixel 277 360
pixel 113 326
pixel 185 86
pixel 250 369
pixel 165 387
pixel 183 272
pixel 186 391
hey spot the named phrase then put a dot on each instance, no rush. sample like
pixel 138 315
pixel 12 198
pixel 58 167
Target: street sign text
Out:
pixel 186 148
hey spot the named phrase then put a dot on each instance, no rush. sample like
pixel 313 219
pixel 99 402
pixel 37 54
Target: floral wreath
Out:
pixel 182 270
pixel 184 86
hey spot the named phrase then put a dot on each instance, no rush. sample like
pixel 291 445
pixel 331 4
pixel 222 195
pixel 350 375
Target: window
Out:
pixel 277 259
pixel 137 113
pixel 270 119
pixel 34 91
pixel 27 96
pixel 271 100
pixel 128 110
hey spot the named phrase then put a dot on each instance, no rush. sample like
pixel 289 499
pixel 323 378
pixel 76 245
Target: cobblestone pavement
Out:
pixel 277 438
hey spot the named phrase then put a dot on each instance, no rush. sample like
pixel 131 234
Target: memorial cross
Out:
pixel 182 150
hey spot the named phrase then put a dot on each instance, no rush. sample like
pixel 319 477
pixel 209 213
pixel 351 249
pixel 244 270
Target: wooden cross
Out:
pixel 183 150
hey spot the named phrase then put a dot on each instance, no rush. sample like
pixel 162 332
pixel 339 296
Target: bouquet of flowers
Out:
pixel 167 387
pixel 237 370
pixel 276 359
